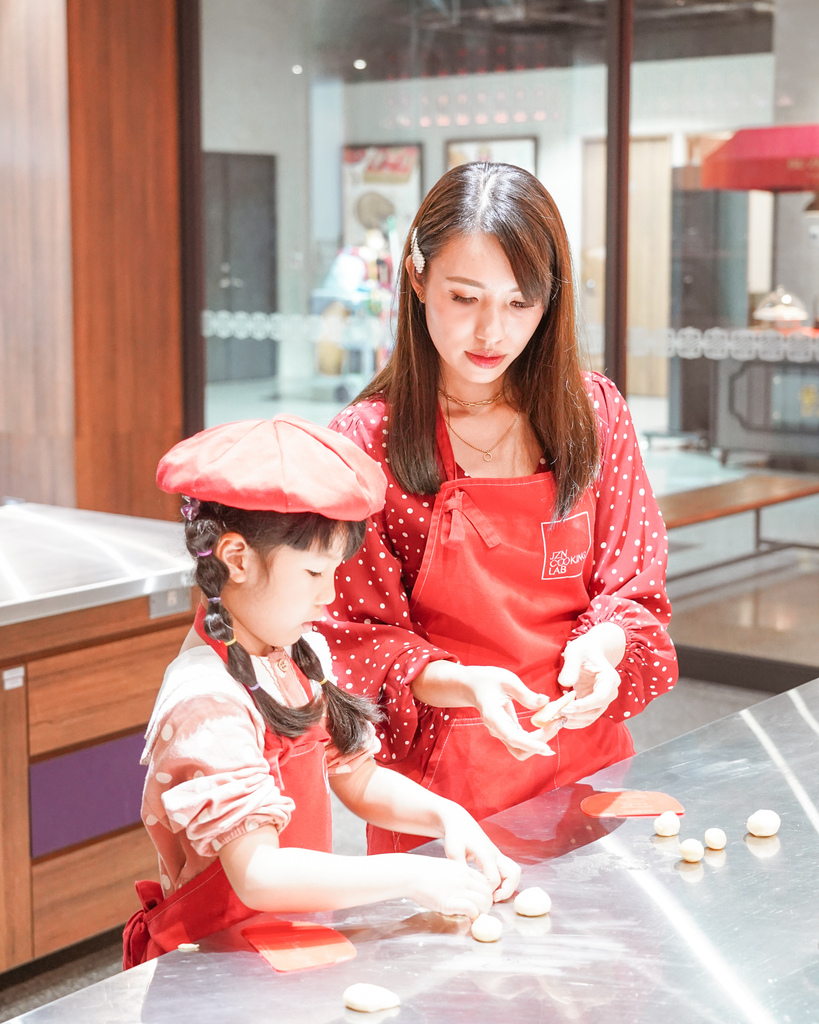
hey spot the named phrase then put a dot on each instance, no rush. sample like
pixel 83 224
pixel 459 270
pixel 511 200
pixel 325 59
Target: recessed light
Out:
pixel 297 69
pixel 359 64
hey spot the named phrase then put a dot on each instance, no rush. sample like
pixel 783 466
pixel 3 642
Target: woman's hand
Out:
pixel 446 684
pixel 590 669
pixel 465 840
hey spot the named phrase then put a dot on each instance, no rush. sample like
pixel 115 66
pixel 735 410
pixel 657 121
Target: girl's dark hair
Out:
pixel 545 381
pixel 347 714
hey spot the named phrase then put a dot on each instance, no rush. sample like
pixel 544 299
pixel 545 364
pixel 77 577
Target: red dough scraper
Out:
pixel 632 803
pixel 293 945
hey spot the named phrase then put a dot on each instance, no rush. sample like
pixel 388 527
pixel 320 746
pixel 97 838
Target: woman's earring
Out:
pixel 418 260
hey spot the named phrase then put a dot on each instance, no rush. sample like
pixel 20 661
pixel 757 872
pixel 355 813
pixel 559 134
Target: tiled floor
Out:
pixel 769 607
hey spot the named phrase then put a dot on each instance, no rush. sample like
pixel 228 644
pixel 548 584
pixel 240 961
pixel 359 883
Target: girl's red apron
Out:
pixel 208 903
pixel 500 585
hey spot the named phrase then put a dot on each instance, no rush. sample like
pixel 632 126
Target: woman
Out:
pixel 521 553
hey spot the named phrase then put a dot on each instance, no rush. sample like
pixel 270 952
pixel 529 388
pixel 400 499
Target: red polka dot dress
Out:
pixel 379 650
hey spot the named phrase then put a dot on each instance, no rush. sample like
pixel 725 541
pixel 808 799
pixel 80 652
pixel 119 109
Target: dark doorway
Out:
pixel 241 265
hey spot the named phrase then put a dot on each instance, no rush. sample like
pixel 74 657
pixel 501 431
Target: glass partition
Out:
pixel 723 306
pixel 324 124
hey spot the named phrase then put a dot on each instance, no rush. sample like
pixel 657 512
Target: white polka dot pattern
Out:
pixel 369 629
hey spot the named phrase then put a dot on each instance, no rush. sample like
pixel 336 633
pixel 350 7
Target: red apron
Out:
pixel 499 585
pixel 208 903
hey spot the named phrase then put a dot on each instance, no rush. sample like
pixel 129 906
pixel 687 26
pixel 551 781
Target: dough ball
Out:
pixel 763 823
pixel 668 824
pixel 369 998
pixel 532 902
pixel 486 928
pixel 554 709
pixel 692 850
pixel 715 839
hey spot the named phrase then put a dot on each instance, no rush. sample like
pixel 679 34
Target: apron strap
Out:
pixel 459 507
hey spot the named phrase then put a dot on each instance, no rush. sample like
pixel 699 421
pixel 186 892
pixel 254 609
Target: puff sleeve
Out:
pixel 630 556
pixel 208 776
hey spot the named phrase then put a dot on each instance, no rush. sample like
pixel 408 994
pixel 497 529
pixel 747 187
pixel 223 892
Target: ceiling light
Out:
pixel 359 64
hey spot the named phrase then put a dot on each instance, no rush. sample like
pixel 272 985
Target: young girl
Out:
pixel 250 726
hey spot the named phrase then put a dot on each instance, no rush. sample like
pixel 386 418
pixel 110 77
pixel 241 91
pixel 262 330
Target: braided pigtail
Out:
pixel 347 714
pixel 210 575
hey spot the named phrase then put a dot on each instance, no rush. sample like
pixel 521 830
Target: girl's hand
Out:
pixel 589 668
pixel 445 684
pixel 447 886
pixel 465 840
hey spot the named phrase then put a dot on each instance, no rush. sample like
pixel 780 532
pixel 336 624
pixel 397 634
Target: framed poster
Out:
pixel 380 191
pixel 522 152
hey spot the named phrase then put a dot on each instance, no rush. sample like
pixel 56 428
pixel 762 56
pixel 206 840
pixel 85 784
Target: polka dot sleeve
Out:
pixel 207 776
pixel 375 650
pixel 630 555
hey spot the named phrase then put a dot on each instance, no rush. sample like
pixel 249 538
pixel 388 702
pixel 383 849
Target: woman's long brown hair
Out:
pixel 545 381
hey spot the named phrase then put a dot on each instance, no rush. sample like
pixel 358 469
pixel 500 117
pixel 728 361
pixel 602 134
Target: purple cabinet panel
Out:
pixel 84 794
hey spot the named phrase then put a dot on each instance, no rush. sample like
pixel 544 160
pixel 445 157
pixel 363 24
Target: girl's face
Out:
pixel 477 316
pixel 276 598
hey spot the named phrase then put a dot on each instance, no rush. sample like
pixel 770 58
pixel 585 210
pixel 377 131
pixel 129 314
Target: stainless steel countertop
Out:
pixel 55 560
pixel 634 934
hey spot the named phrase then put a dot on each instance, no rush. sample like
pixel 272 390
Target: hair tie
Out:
pixel 204 554
pixel 323 681
pixel 256 687
pixel 229 642
pixel 214 600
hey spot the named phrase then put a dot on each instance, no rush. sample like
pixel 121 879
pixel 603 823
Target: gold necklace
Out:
pixel 487 455
pixel 472 405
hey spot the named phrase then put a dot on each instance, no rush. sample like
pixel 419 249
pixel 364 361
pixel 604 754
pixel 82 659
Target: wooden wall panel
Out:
pixel 102 690
pixel 125 212
pixel 90 889
pixel 36 386
pixel 15 873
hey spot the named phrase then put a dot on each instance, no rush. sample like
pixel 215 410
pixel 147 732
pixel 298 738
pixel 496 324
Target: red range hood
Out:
pixel 783 158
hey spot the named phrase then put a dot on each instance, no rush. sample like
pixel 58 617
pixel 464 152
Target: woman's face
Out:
pixel 477 316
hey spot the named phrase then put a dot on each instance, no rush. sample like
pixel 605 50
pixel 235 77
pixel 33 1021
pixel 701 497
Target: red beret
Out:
pixel 280 465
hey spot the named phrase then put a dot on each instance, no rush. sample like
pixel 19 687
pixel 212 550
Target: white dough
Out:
pixel 763 823
pixel 486 928
pixel 692 850
pixel 369 998
pixel 668 824
pixel 715 839
pixel 188 947
pixel 532 902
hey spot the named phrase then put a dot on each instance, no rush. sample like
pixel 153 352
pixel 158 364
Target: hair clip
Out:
pixel 418 258
pixel 204 554
pixel 190 510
